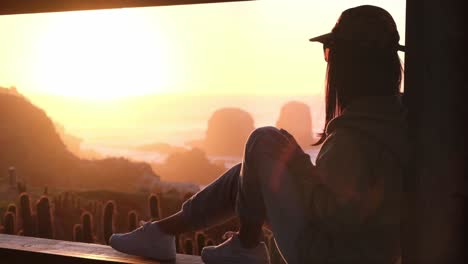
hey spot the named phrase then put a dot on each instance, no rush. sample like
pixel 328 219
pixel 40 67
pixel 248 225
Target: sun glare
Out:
pixel 101 55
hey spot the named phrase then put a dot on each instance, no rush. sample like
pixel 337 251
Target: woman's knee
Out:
pixel 265 131
pixel 265 137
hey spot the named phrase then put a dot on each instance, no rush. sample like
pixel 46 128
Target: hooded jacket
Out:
pixel 354 210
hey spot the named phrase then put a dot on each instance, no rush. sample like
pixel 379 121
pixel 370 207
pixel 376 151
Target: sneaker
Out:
pixel 147 241
pixel 232 252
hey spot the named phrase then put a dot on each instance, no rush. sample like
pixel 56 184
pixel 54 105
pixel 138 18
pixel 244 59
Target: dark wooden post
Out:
pixel 434 225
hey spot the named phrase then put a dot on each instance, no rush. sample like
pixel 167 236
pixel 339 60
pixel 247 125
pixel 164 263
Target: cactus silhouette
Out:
pixel 44 218
pixel 87 227
pixel 55 201
pixel 98 227
pixel 154 206
pixel 12 208
pixel 200 239
pixel 9 223
pixel 94 207
pixel 188 246
pixel 59 204
pixel 108 220
pixel 26 215
pixel 209 242
pixel 66 202
pixel 132 220
pixel 78 233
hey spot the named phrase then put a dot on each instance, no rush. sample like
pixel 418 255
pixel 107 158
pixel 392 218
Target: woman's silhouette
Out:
pixel 344 209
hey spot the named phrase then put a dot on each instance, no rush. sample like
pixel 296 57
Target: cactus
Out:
pixel 209 242
pixel 95 207
pixel 9 223
pixel 98 226
pixel 12 208
pixel 44 218
pixel 72 201
pixel 66 201
pixel 154 207
pixel 87 227
pixel 108 220
pixel 26 215
pixel 58 204
pixel 188 246
pixel 132 220
pixel 78 233
pixel 200 240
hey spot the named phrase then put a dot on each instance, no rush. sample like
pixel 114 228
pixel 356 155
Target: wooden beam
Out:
pixel 18 249
pixel 8 7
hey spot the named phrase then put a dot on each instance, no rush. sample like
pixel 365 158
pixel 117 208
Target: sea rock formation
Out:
pixel 228 130
pixel 295 117
pixel 189 166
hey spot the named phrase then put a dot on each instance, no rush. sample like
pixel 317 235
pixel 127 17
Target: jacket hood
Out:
pixel 382 118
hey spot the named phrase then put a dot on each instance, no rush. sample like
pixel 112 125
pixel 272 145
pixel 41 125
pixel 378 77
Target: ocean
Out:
pixel 155 157
pixel 178 120
pixel 175 120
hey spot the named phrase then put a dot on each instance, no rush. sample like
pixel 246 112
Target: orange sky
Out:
pixel 247 47
pixel 100 57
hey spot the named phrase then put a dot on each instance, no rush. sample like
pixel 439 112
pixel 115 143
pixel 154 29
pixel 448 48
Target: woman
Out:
pixel 343 210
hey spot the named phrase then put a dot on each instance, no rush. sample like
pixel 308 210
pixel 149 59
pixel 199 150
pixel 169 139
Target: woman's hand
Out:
pixel 290 152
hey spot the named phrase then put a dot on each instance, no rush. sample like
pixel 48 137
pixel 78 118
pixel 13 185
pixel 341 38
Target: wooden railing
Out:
pixel 19 249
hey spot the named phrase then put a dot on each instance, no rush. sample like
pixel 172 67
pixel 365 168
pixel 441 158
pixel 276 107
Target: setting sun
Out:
pixel 100 55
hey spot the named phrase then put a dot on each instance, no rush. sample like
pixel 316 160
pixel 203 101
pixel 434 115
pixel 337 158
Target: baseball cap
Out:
pixel 367 26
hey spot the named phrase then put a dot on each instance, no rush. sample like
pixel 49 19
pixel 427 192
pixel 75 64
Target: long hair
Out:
pixel 354 71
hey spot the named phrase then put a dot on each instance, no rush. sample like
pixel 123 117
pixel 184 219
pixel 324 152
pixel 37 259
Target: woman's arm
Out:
pixel 345 166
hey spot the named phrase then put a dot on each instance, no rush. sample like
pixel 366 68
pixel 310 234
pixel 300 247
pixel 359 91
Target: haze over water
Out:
pixel 174 119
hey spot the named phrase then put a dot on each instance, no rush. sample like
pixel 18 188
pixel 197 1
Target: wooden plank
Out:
pixel 18 249
pixel 40 6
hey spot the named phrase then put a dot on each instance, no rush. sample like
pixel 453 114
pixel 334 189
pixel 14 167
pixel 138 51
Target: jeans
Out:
pixel 261 188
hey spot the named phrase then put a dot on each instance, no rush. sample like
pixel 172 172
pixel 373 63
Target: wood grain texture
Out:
pixel 8 7
pixel 18 249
